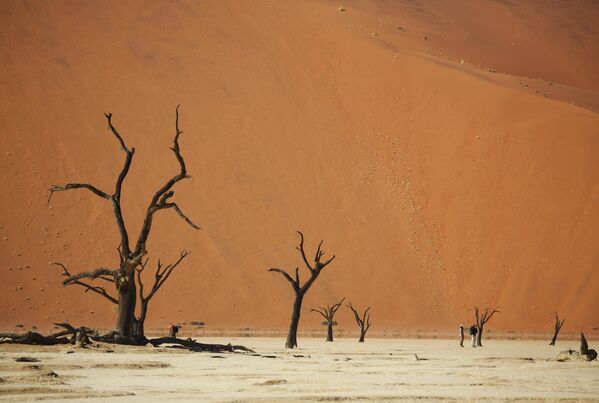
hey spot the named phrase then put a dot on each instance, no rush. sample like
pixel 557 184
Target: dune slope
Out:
pixel 438 185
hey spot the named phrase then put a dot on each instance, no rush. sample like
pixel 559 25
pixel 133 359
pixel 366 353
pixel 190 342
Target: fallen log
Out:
pixel 82 336
pixel 193 345
pixel 32 338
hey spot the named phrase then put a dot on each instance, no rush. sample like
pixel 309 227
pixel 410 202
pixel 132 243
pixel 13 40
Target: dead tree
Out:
pixel 328 313
pixel 481 320
pixel 557 327
pixel 123 277
pixel 300 290
pixel 363 322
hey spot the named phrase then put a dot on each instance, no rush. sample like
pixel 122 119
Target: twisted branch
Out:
pixel 88 287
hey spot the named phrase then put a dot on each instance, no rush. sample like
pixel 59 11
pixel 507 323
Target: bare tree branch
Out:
pixel 116 133
pixel 161 276
pixel 181 214
pixel 70 186
pixel 158 196
pixel 335 307
pixel 329 311
pixel 302 252
pixel 98 290
pixel 116 198
pixel 282 272
pixel 322 311
pixel 92 274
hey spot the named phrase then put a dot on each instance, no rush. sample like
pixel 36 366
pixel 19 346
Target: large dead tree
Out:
pixel 481 320
pixel 131 256
pixel 363 321
pixel 300 290
pixel 557 327
pixel 328 313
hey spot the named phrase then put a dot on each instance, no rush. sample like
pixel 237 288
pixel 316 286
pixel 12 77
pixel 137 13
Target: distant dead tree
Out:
pixel 481 321
pixel 363 322
pixel 300 290
pixel 557 327
pixel 131 257
pixel 328 313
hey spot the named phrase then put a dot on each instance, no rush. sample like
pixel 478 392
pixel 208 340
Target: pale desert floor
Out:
pixel 378 370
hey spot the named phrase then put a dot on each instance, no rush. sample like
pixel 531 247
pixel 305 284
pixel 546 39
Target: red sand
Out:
pixel 438 185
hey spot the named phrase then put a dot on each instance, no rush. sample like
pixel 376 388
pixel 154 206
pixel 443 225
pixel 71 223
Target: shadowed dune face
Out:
pixel 437 184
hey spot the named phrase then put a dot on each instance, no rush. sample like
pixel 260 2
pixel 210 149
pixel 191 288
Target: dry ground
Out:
pixel 380 369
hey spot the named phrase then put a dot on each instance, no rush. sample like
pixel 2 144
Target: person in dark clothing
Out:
pixel 461 335
pixel 472 332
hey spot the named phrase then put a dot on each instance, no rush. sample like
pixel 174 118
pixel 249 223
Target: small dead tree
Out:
pixel 481 320
pixel 300 290
pixel 557 327
pixel 123 278
pixel 328 313
pixel 363 322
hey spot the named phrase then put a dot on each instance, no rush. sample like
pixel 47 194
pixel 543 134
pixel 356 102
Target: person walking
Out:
pixel 472 332
pixel 461 335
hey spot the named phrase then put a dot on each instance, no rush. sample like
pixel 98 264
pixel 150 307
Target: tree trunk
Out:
pixel 295 317
pixel 125 323
pixel 362 334
pixel 479 337
pixel 558 327
pixel 330 331
pixel 138 328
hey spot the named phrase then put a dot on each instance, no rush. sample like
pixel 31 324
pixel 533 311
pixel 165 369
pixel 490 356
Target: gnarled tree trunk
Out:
pixel 127 296
pixel 294 324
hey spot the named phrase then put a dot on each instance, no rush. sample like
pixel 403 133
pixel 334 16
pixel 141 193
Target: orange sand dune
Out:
pixel 438 185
